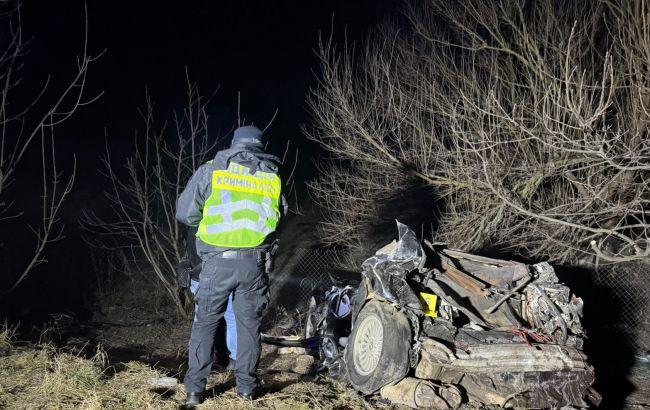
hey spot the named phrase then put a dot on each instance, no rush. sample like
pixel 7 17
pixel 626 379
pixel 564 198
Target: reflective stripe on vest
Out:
pixel 242 209
pixel 228 208
pixel 240 224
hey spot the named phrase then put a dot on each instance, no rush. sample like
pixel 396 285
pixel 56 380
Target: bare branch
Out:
pixel 533 135
pixel 144 197
pixel 19 135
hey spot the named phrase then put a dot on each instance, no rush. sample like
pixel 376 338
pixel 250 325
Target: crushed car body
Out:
pixel 433 326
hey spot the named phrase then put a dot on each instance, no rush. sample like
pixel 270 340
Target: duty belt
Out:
pixel 242 254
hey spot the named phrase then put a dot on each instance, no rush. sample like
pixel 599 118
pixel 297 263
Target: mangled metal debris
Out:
pixel 432 326
pixel 501 332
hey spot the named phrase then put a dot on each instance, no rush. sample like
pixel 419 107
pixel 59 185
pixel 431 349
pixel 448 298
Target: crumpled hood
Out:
pixel 247 155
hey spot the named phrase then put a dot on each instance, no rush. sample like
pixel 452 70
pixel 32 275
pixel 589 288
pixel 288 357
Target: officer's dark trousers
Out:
pixel 219 277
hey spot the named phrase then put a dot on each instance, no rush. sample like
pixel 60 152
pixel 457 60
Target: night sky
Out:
pixel 264 50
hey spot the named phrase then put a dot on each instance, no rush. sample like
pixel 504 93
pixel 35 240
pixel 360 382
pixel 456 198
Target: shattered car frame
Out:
pixel 434 327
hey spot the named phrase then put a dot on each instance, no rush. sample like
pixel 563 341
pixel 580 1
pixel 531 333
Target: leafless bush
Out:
pixel 26 130
pixel 143 193
pixel 529 120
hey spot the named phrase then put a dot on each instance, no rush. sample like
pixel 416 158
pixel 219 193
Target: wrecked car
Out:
pixel 428 326
pixel 434 327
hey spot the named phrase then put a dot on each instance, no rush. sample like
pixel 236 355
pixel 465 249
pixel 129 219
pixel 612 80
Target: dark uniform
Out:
pixel 236 202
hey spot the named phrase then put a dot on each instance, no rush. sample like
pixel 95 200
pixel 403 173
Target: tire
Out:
pixel 282 341
pixel 311 321
pixel 377 353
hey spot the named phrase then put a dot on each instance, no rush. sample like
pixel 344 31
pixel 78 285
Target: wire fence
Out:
pixel 627 287
pixel 312 267
pixel 629 301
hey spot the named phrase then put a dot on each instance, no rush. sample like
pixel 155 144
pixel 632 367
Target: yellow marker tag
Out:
pixel 429 302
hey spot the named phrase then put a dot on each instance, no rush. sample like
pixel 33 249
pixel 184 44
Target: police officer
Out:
pixel 236 202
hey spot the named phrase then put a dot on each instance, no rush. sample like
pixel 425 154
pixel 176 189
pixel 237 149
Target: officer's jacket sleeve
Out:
pixel 189 207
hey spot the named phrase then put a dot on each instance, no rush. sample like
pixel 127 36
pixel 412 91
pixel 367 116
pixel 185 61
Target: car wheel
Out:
pixel 378 350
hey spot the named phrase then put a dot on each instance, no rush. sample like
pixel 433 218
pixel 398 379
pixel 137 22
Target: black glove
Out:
pixel 183 273
pixel 195 272
pixel 269 256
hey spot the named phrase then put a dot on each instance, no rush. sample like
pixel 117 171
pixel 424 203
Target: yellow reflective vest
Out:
pixel 242 209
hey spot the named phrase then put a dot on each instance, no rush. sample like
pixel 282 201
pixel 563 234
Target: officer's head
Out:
pixel 248 135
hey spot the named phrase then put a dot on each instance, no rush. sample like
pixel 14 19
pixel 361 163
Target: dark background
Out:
pixel 263 50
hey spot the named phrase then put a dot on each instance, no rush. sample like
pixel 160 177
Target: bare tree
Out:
pixel 27 130
pixel 143 193
pixel 529 119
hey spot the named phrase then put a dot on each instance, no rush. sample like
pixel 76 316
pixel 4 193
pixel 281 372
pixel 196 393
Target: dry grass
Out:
pixel 41 377
pixel 285 392
pixel 7 335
